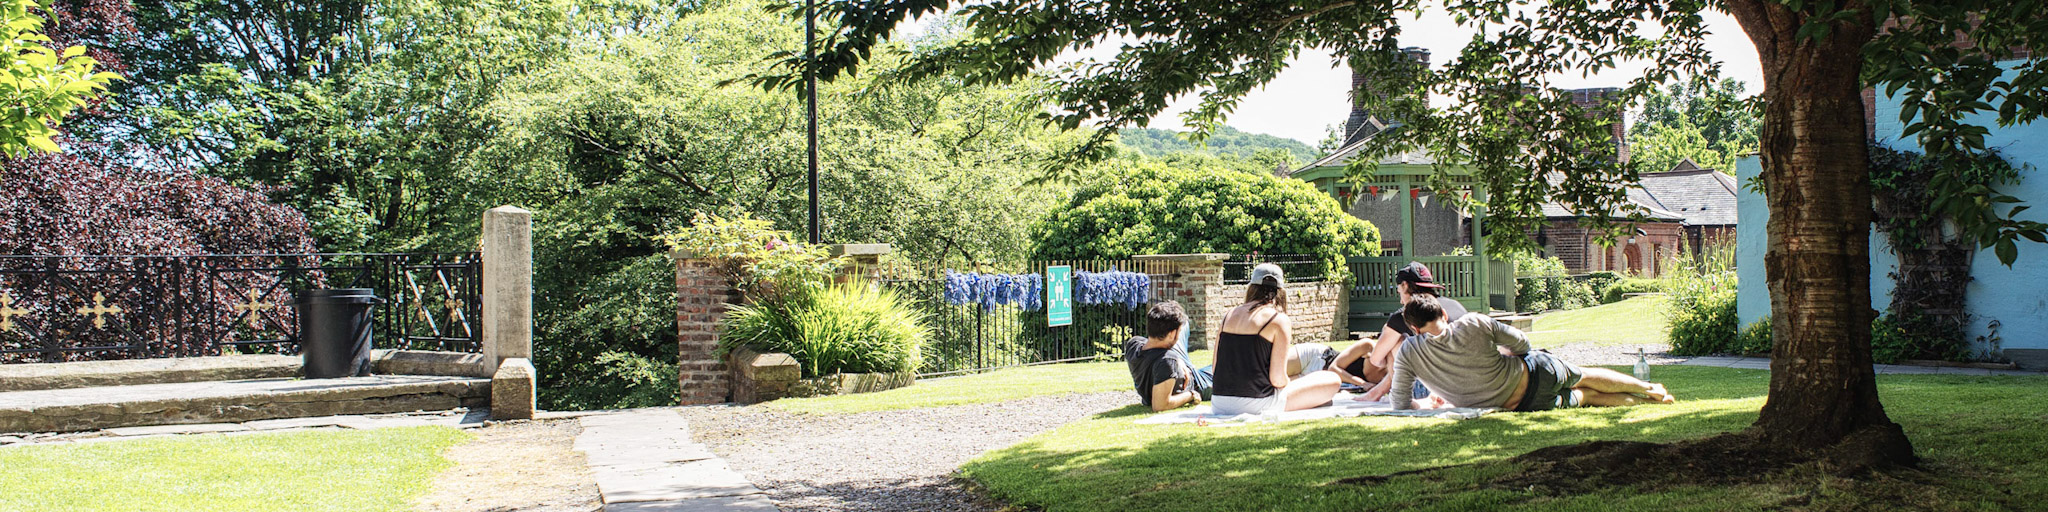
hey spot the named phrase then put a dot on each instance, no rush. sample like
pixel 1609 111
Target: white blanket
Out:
pixel 1343 407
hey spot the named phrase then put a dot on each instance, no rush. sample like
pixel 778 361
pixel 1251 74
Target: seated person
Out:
pixel 1252 352
pixel 1411 281
pixel 1459 359
pixel 1160 369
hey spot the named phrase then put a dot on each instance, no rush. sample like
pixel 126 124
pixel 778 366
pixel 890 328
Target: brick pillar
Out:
pixel 1196 280
pixel 863 260
pixel 701 296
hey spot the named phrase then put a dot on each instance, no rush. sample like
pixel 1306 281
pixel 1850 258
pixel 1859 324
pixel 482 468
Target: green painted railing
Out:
pixel 1373 295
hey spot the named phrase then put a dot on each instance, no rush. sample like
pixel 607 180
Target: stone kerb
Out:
pixel 761 377
pixel 701 297
pixel 512 390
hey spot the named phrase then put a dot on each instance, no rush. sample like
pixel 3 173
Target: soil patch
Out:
pixel 519 465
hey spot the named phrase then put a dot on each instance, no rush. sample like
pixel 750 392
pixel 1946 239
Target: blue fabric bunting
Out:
pixel 1025 291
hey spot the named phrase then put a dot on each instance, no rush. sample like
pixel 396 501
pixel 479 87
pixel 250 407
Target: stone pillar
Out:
pixel 508 285
pixel 1196 280
pixel 863 260
pixel 701 296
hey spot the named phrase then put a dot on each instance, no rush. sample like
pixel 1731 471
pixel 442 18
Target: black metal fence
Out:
pixel 1297 268
pixel 76 308
pixel 973 337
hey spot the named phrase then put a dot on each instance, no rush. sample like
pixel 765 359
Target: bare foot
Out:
pixel 1658 393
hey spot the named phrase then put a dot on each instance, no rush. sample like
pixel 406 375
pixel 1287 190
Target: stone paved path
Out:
pixel 645 461
pixel 1764 363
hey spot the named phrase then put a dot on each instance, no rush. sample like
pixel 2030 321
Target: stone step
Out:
pixel 94 408
pixel 132 372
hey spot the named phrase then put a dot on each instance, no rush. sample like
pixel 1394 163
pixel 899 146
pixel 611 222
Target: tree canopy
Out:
pixel 1709 123
pixel 1156 208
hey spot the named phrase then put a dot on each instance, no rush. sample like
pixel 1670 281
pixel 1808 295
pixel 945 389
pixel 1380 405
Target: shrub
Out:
pixel 1600 280
pixel 846 328
pixel 1541 284
pixel 1755 339
pixel 1895 338
pixel 1150 208
pixel 756 258
pixel 1702 310
pixel 602 334
pixel 1619 289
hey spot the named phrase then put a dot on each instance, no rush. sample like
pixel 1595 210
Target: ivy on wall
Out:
pixel 1936 215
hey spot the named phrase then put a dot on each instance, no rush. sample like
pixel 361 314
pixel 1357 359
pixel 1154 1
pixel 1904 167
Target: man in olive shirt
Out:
pixel 1462 361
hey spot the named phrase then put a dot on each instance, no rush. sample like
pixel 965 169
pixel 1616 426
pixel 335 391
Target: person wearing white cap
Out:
pixel 1253 351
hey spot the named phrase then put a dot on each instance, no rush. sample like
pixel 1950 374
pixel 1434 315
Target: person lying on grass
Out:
pixel 1458 358
pixel 1163 375
pixel 1252 354
pixel 1160 369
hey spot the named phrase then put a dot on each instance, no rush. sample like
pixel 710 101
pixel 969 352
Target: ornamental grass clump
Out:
pixel 845 328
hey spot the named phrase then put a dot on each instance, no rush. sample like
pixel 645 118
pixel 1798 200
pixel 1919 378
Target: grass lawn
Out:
pixel 1984 441
pixel 1637 321
pixel 348 470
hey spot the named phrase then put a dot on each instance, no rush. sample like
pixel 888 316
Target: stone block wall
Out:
pixel 1319 309
pixel 701 296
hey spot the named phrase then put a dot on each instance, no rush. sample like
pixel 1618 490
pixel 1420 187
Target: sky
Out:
pixel 1310 96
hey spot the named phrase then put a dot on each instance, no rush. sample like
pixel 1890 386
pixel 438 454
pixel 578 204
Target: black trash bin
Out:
pixel 334 331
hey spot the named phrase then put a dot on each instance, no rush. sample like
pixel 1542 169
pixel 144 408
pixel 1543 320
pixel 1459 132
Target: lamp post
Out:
pixel 811 106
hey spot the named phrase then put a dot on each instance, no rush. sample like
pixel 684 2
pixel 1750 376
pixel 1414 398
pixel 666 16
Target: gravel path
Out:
pixel 1590 354
pixel 889 460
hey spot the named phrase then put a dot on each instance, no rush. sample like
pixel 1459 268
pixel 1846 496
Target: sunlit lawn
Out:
pixel 348 470
pixel 1633 322
pixel 1985 440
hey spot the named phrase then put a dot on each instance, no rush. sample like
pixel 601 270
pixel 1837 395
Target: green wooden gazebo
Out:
pixel 1414 226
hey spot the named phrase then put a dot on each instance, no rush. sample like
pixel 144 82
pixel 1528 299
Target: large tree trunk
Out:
pixel 1823 392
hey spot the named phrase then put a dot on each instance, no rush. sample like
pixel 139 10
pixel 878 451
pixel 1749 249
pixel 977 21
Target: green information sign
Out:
pixel 1059 296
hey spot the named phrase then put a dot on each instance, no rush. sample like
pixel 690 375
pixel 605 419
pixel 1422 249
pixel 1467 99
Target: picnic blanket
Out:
pixel 1342 407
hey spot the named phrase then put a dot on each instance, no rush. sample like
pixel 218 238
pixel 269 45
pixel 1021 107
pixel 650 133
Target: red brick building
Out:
pixel 1690 209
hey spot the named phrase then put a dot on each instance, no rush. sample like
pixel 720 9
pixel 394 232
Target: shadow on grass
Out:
pixel 1994 436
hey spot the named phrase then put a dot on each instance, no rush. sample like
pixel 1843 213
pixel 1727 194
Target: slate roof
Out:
pixel 1704 197
pixel 1686 193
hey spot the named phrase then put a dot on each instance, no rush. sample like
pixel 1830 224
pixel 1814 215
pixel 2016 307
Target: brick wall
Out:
pixel 701 296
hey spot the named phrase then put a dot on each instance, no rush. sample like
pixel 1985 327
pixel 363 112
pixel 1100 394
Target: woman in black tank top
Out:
pixel 1252 354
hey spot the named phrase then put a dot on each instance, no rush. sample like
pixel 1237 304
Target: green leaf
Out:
pixel 2007 252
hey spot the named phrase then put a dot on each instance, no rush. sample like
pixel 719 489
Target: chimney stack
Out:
pixel 1357 126
pixel 1595 101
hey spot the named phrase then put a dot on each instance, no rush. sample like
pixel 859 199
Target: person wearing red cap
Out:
pixel 1365 363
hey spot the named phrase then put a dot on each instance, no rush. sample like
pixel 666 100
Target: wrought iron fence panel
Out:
pixel 74 308
pixel 973 337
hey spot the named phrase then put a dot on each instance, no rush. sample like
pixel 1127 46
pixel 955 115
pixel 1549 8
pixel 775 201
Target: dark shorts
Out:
pixel 1550 383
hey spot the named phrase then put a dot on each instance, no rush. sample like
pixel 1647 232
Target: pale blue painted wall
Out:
pixel 1753 301
pixel 2016 297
